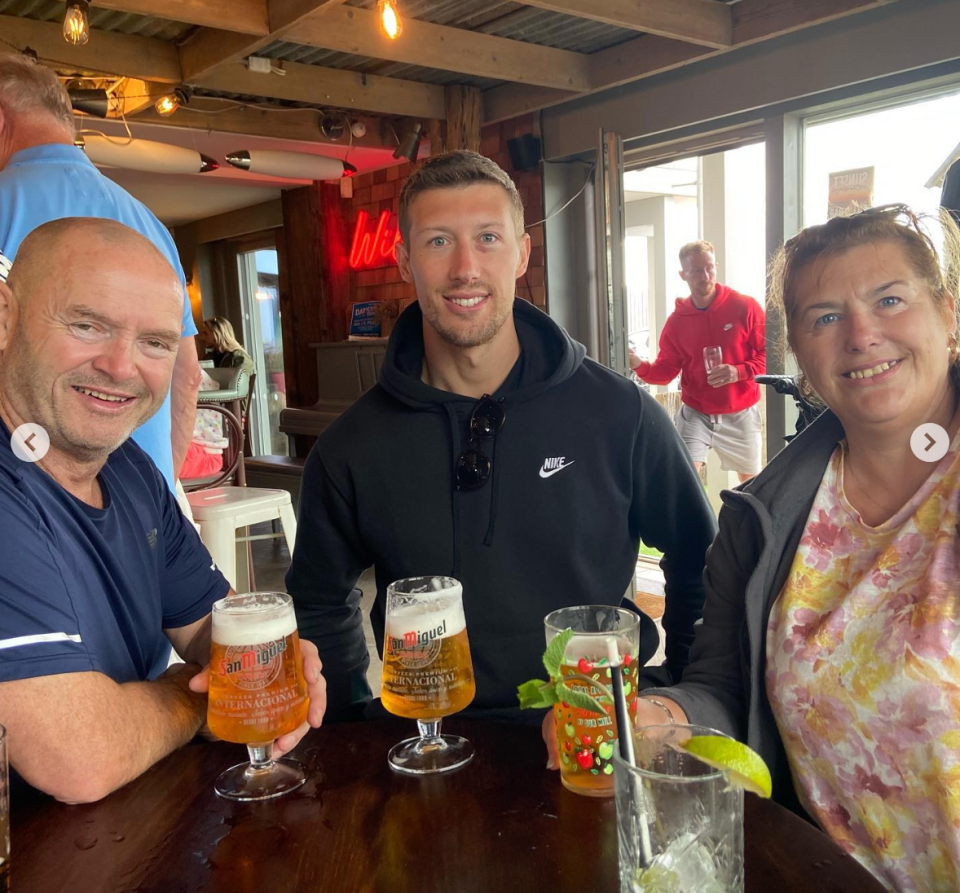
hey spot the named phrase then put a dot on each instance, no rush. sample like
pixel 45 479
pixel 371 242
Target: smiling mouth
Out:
pixel 100 395
pixel 873 370
pixel 467 302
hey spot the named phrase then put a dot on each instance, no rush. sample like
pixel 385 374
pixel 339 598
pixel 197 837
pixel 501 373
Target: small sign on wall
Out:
pixel 850 191
pixel 364 320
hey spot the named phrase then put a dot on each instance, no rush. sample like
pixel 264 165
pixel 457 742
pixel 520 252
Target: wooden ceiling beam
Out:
pixel 753 21
pixel 704 22
pixel 333 87
pixel 348 29
pixel 260 122
pixel 211 47
pixel 122 55
pixel 246 16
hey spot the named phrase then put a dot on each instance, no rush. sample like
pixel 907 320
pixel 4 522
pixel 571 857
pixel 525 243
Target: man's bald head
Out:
pixel 70 245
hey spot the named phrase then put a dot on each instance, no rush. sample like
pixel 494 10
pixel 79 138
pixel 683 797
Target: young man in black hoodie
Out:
pixel 544 511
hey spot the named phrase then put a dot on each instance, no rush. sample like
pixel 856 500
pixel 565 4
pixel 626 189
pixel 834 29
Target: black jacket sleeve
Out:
pixel 671 512
pixel 328 558
pixel 712 692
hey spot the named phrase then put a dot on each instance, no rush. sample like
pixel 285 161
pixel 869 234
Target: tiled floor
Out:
pixel 272 559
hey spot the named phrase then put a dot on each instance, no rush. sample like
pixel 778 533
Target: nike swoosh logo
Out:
pixel 546 474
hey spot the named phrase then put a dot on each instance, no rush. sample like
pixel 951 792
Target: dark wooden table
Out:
pixel 503 823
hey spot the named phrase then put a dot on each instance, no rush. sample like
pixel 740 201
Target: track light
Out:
pixel 167 104
pixel 76 28
pixel 292 165
pixel 146 155
pixel 388 15
pixel 409 146
pixel 89 101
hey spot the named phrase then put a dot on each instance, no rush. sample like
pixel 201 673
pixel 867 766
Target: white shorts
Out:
pixel 734 435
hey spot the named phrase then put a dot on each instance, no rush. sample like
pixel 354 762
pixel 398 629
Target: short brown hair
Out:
pixel 455 170
pixel 891 223
pixel 26 86
pixel 701 246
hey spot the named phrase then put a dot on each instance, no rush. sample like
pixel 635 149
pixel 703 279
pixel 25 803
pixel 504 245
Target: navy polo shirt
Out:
pixel 86 589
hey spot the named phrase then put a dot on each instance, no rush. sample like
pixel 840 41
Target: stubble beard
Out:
pixel 475 335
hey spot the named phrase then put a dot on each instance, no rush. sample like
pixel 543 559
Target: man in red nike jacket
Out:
pixel 719 396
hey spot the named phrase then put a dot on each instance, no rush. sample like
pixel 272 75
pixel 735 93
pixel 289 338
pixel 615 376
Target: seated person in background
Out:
pixel 99 570
pixel 544 511
pixel 217 336
pixel 831 631
pixel 205 452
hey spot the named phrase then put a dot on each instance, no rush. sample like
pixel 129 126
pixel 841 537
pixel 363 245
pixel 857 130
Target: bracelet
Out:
pixel 663 707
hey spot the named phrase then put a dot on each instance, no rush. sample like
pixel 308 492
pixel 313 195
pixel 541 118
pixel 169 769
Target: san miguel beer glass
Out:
pixel 257 691
pixel 427 671
pixel 586 741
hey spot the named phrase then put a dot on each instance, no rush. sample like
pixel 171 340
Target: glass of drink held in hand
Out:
pixel 257 691
pixel 586 741
pixel 427 671
pixel 712 357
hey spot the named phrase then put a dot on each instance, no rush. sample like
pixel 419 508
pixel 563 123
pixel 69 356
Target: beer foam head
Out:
pixel 431 614
pixel 252 619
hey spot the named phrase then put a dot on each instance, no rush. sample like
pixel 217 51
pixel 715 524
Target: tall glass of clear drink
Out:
pixel 4 814
pixel 427 671
pixel 679 823
pixel 257 691
pixel 586 741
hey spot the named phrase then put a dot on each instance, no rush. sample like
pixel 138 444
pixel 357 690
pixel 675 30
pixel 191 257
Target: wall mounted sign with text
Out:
pixel 374 245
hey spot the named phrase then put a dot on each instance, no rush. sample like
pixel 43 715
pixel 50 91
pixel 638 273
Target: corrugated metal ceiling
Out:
pixel 104 19
pixel 496 17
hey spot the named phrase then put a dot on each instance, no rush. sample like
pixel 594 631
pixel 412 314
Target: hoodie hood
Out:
pixel 550 356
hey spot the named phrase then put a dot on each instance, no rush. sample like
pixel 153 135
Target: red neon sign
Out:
pixel 376 248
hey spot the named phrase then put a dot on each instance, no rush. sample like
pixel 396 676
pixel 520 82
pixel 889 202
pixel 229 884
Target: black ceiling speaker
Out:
pixel 90 102
pixel 524 152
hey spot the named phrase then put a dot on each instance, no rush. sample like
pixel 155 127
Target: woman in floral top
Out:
pixel 831 634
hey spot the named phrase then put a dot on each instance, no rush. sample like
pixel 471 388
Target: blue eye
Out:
pixel 889 301
pixel 438 241
pixel 489 238
pixel 826 320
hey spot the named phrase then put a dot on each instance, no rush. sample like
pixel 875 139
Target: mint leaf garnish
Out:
pixel 553 656
pixel 537 693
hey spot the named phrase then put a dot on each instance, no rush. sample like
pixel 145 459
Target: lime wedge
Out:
pixel 742 766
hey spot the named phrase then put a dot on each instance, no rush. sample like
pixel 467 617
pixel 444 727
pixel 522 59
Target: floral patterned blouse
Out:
pixel 863 674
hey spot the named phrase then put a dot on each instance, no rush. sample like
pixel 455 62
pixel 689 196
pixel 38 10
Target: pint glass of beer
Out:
pixel 257 691
pixel 586 741
pixel 427 671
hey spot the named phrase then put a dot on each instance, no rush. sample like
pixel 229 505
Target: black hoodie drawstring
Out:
pixel 455 431
pixel 495 488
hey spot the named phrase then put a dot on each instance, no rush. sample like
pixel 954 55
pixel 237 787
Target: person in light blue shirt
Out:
pixel 44 177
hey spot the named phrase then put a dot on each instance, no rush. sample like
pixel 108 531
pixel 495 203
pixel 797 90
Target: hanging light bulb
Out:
pixel 167 104
pixel 389 17
pixel 76 28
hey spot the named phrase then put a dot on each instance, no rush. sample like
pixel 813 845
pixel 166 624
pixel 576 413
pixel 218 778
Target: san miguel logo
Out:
pixel 377 246
pixel 418 649
pixel 253 667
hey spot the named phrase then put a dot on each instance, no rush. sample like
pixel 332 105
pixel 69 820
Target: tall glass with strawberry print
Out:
pixel 586 740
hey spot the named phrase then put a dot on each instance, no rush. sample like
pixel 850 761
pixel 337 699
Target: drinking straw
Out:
pixel 625 741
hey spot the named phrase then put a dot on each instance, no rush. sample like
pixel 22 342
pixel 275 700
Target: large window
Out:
pixel 888 155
